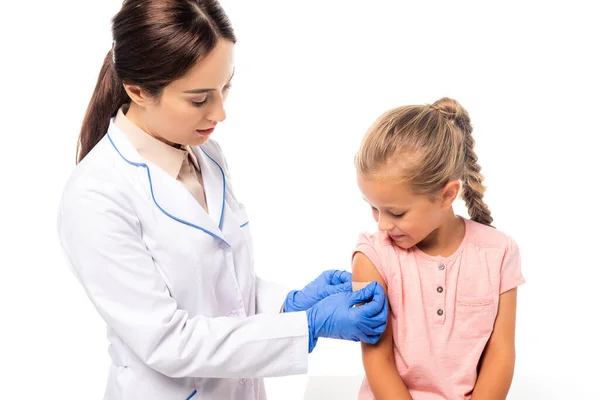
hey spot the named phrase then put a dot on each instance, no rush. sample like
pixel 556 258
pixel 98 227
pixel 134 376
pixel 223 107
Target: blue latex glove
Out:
pixel 328 283
pixel 336 317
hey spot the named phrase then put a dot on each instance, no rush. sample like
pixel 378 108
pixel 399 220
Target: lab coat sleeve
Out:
pixel 269 296
pixel 101 237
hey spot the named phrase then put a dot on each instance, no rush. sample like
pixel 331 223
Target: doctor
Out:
pixel 153 231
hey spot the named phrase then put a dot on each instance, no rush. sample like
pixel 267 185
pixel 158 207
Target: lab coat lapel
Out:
pixel 166 193
pixel 214 183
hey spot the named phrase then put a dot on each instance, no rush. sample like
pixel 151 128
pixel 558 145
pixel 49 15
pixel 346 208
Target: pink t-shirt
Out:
pixel 443 308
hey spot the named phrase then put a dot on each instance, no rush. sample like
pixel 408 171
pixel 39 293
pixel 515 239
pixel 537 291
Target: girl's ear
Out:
pixel 449 194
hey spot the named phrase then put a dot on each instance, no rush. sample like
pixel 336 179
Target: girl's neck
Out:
pixel 446 239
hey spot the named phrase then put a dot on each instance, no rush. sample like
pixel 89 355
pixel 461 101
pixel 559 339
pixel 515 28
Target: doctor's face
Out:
pixel 189 108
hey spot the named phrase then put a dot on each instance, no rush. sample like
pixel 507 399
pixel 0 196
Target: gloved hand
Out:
pixel 328 283
pixel 336 317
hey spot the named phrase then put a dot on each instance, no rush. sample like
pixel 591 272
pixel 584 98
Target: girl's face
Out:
pixel 190 107
pixel 407 218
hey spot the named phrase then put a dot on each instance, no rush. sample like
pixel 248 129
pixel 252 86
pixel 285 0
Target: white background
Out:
pixel 310 78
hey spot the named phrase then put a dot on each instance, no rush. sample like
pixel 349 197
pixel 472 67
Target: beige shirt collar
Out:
pixel 166 157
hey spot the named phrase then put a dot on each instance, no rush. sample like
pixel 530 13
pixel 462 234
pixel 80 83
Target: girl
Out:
pixel 451 282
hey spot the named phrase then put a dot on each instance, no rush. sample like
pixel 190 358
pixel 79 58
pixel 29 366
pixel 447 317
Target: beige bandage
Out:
pixel 358 285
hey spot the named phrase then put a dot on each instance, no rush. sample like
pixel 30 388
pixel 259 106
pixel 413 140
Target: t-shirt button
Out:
pixel 441 267
pixel 440 289
pixel 440 312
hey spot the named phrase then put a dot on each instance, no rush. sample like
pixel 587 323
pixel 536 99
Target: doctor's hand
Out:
pixel 337 317
pixel 328 283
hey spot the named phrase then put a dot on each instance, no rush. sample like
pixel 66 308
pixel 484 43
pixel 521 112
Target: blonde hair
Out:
pixel 427 146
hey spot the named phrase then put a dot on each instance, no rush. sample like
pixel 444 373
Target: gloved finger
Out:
pixel 347 286
pixel 376 328
pixel 371 339
pixel 378 306
pixel 363 295
pixel 375 321
pixel 334 289
pixel 323 278
pixel 367 330
pixel 327 275
pixel 377 301
pixel 339 277
pixel 380 319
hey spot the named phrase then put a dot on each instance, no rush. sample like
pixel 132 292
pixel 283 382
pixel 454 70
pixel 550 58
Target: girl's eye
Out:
pixel 398 215
pixel 227 87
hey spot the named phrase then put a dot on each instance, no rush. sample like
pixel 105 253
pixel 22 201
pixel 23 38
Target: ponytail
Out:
pixel 109 95
pixel 473 189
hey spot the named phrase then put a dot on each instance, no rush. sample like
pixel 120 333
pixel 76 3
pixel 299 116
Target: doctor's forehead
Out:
pixel 212 72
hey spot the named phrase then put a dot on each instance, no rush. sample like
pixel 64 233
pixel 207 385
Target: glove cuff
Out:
pixel 312 337
pixel 288 304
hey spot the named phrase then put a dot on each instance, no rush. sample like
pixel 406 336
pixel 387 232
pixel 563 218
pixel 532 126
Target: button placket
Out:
pixel 441 296
pixel 230 264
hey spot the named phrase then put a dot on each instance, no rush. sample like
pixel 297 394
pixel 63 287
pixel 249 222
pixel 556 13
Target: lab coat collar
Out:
pixel 159 153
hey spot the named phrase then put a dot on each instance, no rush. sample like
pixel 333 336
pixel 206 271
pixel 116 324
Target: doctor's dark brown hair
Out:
pixel 428 145
pixel 155 43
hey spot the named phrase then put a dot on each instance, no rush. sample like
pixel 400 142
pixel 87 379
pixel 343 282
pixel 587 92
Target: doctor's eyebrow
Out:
pixel 199 91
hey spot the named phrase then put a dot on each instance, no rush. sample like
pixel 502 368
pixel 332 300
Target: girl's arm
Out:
pixel 378 359
pixel 498 359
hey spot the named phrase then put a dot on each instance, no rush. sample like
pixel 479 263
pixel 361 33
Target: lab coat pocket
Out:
pixel 475 317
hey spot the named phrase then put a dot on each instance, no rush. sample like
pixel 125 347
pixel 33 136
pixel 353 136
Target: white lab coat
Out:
pixel 186 316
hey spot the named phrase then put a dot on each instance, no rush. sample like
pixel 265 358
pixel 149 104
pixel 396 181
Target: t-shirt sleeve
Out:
pixel 369 245
pixel 510 272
